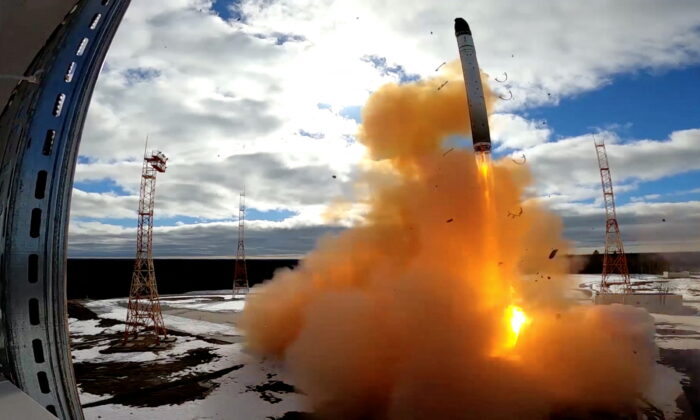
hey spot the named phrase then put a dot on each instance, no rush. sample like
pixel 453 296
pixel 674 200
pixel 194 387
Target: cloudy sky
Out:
pixel 268 94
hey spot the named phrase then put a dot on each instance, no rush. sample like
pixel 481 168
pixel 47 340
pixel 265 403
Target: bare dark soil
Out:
pixel 78 311
pixel 675 332
pixel 149 384
pixel 165 299
pixel 688 363
pixel 141 384
pixel 266 390
pixel 293 415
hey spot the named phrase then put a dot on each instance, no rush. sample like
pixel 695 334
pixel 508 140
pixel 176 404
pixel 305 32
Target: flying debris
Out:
pixel 472 81
pixel 443 85
pixel 514 215
pixel 553 253
pixel 448 151
pixel 34 78
pixel 438 67
pixel 510 98
pixel 522 162
pixel 450 220
pixel 501 81
pixel 334 177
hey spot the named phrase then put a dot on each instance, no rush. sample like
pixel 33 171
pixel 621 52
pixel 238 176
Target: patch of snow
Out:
pixel 665 389
pixel 230 400
pixel 86 327
pixel 209 306
pixel 112 309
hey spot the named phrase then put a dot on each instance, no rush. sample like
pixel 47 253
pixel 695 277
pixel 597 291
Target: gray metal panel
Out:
pixel 40 132
pixel 17 405
pixel 478 117
pixel 24 28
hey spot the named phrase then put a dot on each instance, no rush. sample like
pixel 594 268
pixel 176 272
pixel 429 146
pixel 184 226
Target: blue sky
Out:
pixel 223 8
pixel 639 105
pixel 269 94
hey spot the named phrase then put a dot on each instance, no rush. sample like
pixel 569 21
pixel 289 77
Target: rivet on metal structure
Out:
pixel 615 270
pixel 143 310
pixel 240 274
pixel 40 130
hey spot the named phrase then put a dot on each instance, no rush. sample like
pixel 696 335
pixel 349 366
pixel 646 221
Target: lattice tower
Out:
pixel 615 270
pixel 143 312
pixel 240 275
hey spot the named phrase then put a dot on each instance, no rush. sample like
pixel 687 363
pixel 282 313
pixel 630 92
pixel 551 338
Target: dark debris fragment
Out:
pixel 553 253
pixel 522 162
pixel 450 220
pixel 509 98
pixel 514 215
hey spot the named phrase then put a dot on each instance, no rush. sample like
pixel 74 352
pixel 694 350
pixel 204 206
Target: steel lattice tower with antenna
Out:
pixel 240 275
pixel 144 303
pixel 615 270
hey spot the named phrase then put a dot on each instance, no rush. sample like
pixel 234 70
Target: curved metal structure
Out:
pixel 40 131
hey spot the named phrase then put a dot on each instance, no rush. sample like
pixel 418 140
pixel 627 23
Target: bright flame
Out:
pixel 483 161
pixel 516 319
pixel 342 320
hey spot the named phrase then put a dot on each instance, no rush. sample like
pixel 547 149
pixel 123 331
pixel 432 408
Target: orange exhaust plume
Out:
pixel 440 305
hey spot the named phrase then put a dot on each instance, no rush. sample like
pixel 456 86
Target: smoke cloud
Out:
pixel 411 315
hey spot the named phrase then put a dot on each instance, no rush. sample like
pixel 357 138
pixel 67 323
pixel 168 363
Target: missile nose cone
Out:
pixel 462 27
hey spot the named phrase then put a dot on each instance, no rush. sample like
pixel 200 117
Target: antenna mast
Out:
pixel 615 270
pixel 240 275
pixel 144 303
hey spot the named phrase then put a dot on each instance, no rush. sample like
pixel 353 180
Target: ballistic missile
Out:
pixel 472 81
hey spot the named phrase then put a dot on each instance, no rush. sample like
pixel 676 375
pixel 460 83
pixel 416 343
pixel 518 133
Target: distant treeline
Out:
pixel 102 278
pixel 645 263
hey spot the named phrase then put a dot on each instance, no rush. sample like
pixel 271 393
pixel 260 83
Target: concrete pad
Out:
pixel 663 303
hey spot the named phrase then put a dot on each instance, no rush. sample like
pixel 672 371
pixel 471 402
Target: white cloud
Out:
pixel 510 131
pixel 569 166
pixel 645 226
pixel 291 238
pixel 645 197
pixel 229 102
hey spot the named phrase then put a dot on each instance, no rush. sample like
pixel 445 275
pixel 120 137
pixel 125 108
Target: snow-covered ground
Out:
pixel 224 381
pixel 688 287
pixel 208 375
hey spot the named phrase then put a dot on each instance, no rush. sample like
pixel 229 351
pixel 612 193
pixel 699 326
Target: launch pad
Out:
pixel 142 343
pixel 661 303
